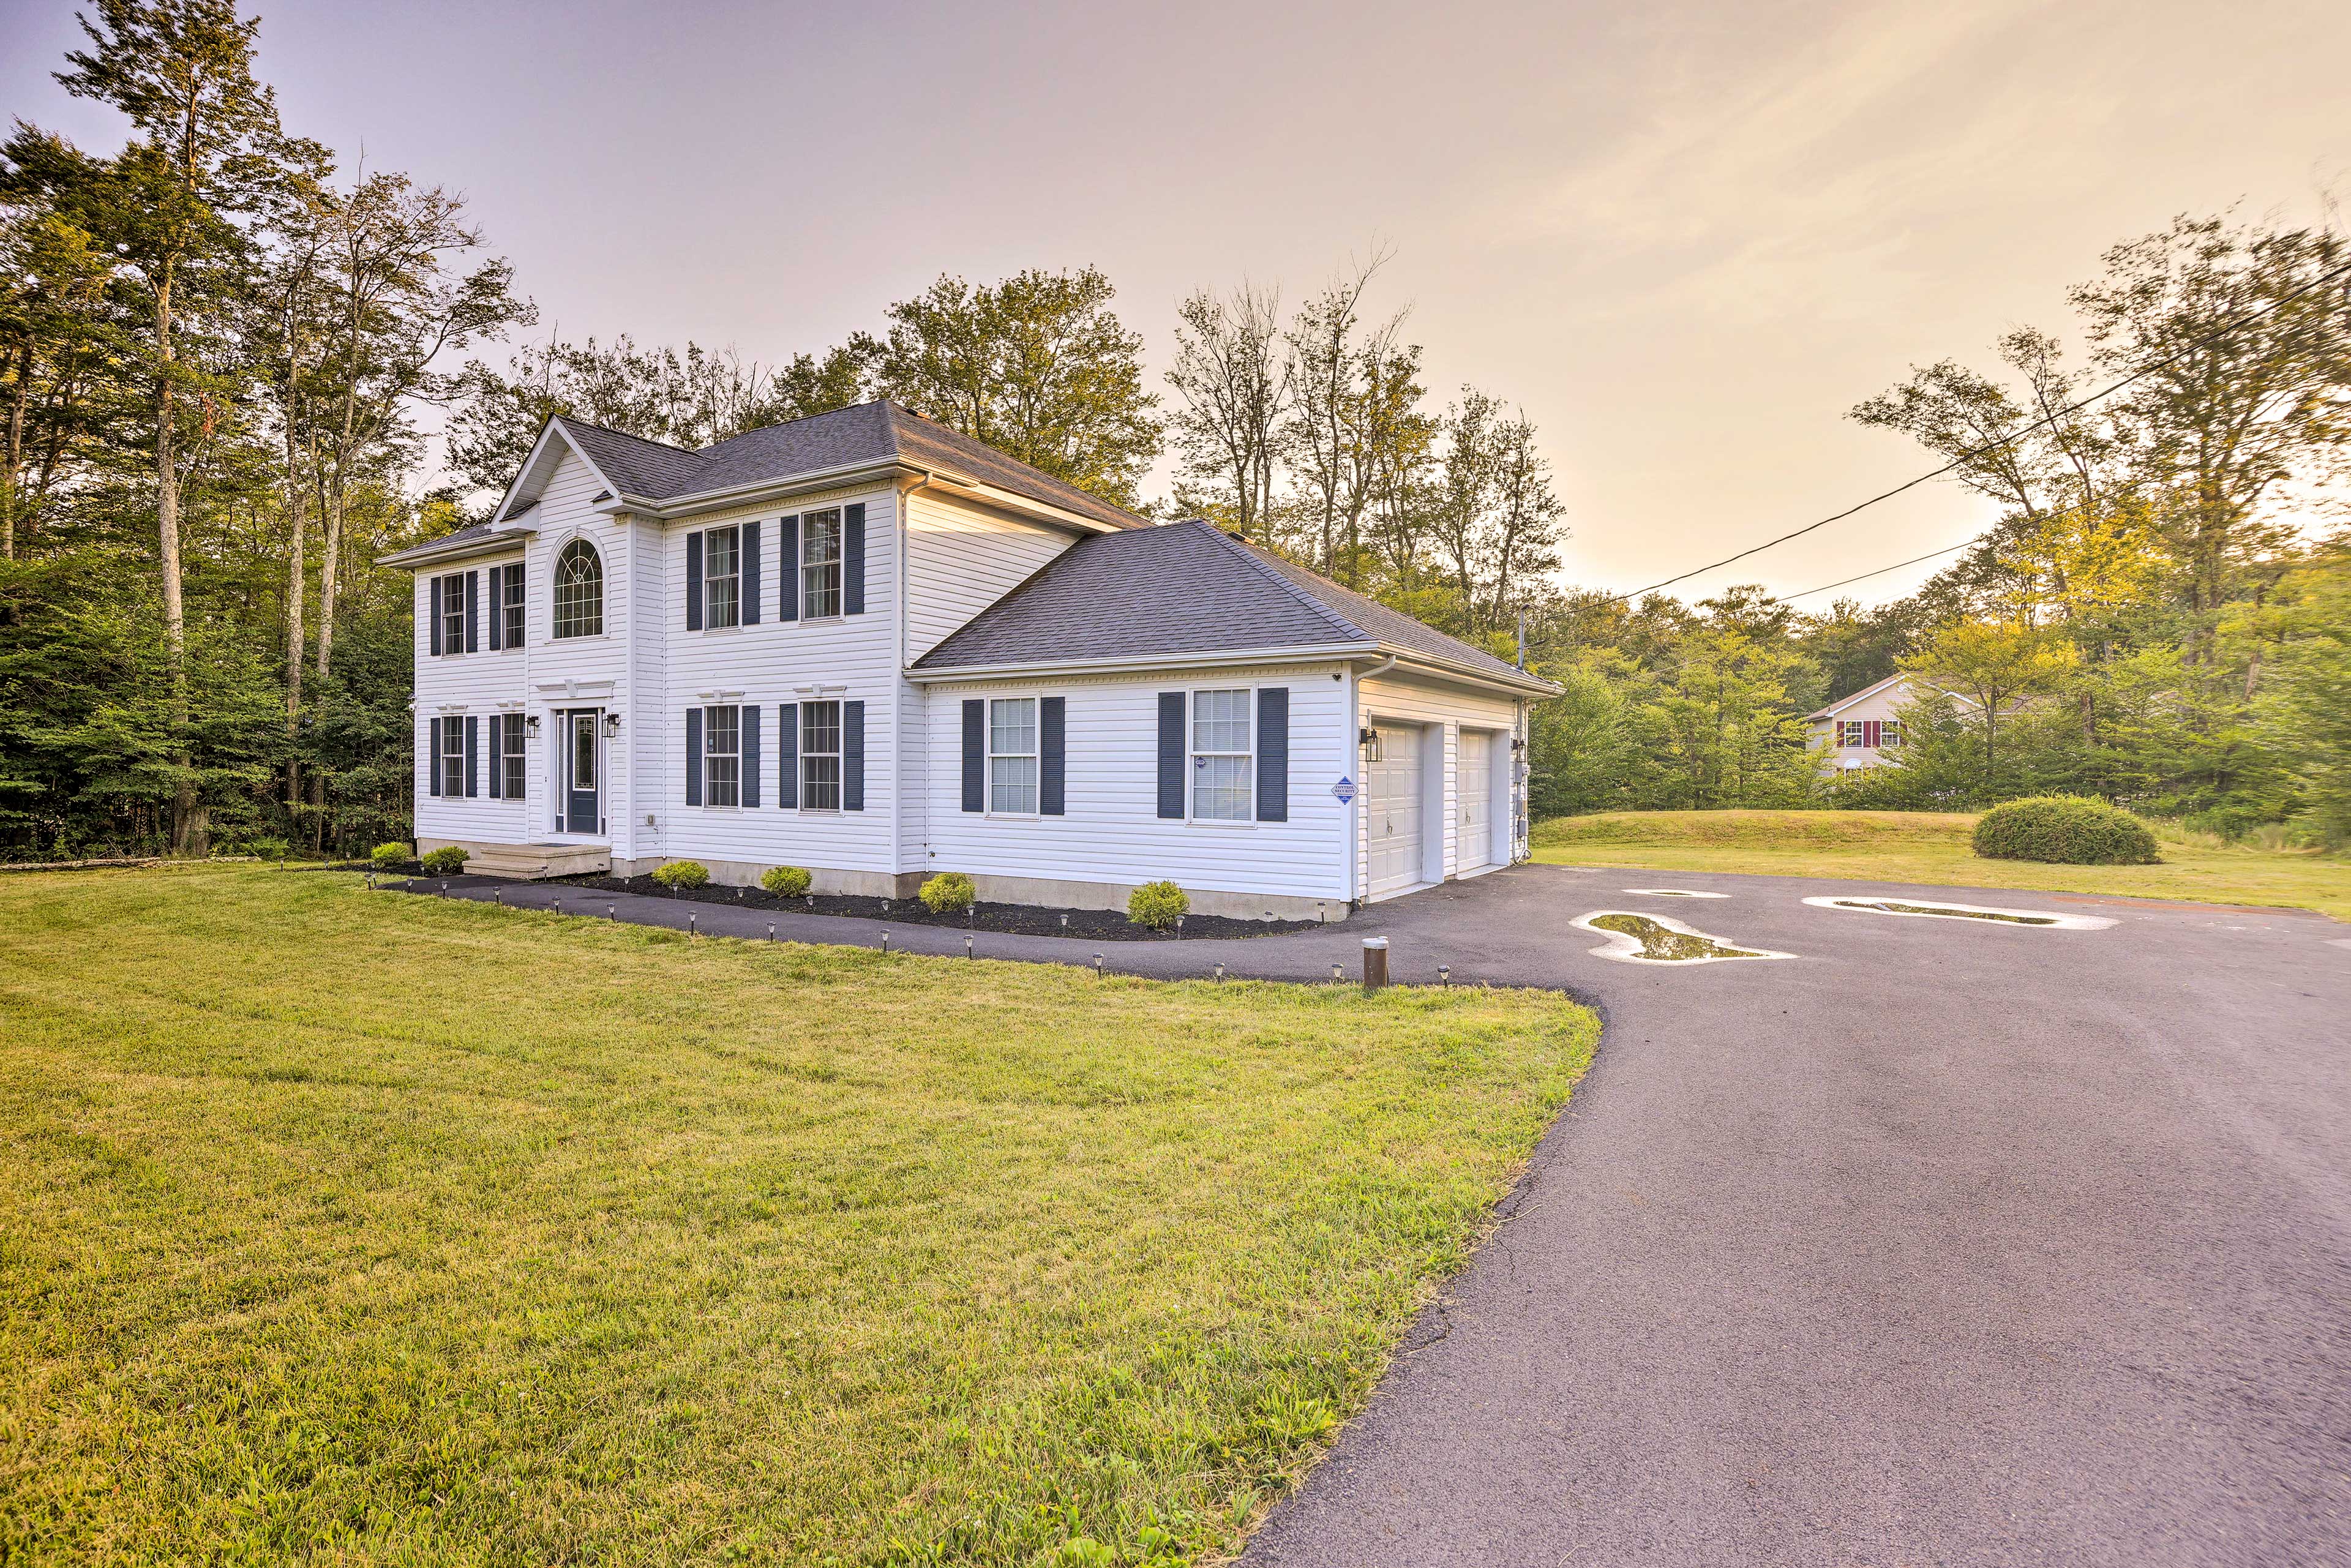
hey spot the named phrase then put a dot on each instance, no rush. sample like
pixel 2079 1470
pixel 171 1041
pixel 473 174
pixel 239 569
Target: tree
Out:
pixel 1036 366
pixel 207 136
pixel 1324 436
pixel 1234 389
pixel 1993 665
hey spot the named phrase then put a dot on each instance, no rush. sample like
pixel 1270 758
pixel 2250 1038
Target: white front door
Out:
pixel 1393 801
pixel 1473 800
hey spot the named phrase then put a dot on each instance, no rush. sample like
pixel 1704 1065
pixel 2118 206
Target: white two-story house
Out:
pixel 866 645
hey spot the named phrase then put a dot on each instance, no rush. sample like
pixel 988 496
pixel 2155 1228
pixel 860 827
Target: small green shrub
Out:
pixel 446 861
pixel 2066 830
pixel 1157 904
pixel 387 856
pixel 267 849
pixel 949 893
pixel 678 874
pixel 785 880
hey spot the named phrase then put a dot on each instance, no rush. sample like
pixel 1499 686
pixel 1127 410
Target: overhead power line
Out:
pixel 2321 281
pixel 1881 571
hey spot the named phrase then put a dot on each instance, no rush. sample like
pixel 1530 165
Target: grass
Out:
pixel 339 1228
pixel 1933 848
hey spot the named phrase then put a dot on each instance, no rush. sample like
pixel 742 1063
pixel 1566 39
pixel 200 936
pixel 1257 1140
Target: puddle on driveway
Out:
pixel 1673 893
pixel 1655 940
pixel 1913 909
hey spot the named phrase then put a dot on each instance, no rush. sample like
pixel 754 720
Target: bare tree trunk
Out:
pixel 190 834
pixel 16 449
pixel 299 517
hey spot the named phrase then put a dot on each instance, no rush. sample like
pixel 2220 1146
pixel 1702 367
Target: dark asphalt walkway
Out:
pixel 1945 1243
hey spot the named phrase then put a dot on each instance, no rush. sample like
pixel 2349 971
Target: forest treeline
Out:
pixel 221 345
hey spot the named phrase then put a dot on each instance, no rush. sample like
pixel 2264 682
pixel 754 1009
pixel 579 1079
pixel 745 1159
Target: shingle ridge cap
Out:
pixel 1248 554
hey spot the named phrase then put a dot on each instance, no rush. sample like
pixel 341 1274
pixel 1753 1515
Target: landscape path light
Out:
pixel 1375 962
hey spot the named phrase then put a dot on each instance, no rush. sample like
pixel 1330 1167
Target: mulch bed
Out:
pixel 1011 919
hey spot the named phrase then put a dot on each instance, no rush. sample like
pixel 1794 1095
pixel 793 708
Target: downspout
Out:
pixel 1356 849
pixel 906 554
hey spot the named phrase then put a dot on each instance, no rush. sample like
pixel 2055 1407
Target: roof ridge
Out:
pixel 1249 553
pixel 627 435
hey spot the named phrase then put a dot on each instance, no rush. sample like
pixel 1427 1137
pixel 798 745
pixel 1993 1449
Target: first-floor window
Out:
pixel 452 756
pixel 506 751
pixel 722 756
pixel 1224 768
pixel 1012 755
pixel 820 756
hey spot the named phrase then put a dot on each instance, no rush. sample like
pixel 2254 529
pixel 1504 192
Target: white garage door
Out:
pixel 1393 801
pixel 1474 808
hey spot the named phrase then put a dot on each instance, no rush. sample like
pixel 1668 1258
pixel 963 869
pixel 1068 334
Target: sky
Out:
pixel 1685 239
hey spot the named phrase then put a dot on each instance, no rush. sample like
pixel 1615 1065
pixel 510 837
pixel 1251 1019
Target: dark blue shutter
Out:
pixel 694 756
pixel 433 592
pixel 1171 755
pixel 788 755
pixel 975 755
pixel 748 768
pixel 472 612
pixel 473 755
pixel 788 556
pixel 432 735
pixel 853 562
pixel 749 597
pixel 1052 767
pixel 1273 754
pixel 498 720
pixel 694 582
pixel 852 756
pixel 498 604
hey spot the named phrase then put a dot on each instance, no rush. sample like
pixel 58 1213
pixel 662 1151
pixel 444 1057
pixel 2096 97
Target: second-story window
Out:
pixel 820 564
pixel 722 578
pixel 578 592
pixel 509 606
pixel 452 610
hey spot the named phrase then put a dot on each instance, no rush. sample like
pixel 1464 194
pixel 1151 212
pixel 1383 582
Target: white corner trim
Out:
pixel 1626 948
pixel 1935 909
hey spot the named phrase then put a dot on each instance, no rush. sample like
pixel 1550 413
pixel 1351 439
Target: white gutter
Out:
pixel 1320 653
pixel 439 550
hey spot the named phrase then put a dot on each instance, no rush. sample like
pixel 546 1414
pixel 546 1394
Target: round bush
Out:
pixel 2068 829
pixel 678 874
pixel 387 856
pixel 446 861
pixel 949 892
pixel 1157 904
pixel 785 880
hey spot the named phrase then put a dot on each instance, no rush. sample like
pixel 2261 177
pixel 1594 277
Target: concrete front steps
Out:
pixel 535 863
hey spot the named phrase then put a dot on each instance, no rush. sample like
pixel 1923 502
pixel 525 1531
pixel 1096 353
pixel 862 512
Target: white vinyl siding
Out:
pixel 959 561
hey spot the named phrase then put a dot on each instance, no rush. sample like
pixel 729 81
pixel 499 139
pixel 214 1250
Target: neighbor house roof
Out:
pixel 866 433
pixel 1188 589
pixel 1870 690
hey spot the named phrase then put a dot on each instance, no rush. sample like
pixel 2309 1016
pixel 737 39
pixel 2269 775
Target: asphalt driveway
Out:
pixel 1946 1242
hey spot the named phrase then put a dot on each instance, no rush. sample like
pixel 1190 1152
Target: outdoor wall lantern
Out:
pixel 1372 749
pixel 530 723
pixel 612 724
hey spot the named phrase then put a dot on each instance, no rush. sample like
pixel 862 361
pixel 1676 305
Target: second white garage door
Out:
pixel 1474 815
pixel 1393 802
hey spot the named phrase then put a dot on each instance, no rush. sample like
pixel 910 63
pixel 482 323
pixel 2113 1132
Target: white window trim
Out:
pixel 736 625
pixel 988 754
pixel 603 581
pixel 450 756
pixel 1191 774
pixel 800 754
pixel 840 563
pixel 708 803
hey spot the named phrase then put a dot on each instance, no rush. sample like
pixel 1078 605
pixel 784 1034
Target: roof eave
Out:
pixel 1514 680
pixel 669 507
pixel 1320 653
pixel 438 550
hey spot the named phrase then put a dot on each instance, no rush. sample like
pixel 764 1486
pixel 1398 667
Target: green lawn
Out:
pixel 353 1229
pixel 1930 847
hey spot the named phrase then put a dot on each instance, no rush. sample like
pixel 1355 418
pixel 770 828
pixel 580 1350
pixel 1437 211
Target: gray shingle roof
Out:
pixel 1184 589
pixel 878 431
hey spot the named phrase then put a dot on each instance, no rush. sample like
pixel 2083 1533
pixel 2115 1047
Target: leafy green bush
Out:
pixel 389 856
pixel 1157 904
pixel 677 875
pixel 2068 829
pixel 785 880
pixel 267 849
pixel 949 893
pixel 446 861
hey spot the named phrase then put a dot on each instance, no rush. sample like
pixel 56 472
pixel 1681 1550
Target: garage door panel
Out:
pixel 1473 802
pixel 1395 804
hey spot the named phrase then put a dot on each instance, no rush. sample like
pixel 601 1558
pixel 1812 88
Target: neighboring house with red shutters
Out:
pixel 1864 730
pixel 864 644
